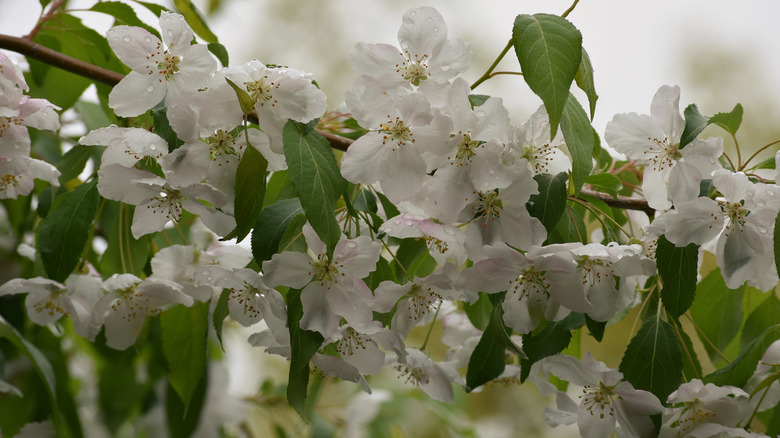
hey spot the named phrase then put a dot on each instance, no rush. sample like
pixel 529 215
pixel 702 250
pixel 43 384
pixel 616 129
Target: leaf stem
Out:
pixel 704 336
pixel 571 8
pixel 685 349
pixel 761 149
pixel 493 66
pixel 430 330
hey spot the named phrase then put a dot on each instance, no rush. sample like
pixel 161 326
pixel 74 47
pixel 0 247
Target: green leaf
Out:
pixel 479 312
pixel 195 20
pixel 550 203
pixel 250 190
pixel 584 79
pixel 477 99
pixel 65 231
pixel 124 253
pixel 220 313
pixel 605 183
pixel 571 227
pixel 44 3
pixel 678 268
pixel 182 420
pixel 653 360
pixel 220 52
pixel 740 369
pixel 303 345
pixel 765 315
pixel 247 105
pixel 596 328
pixel 162 127
pixel 552 339
pixel 92 115
pixel 270 227
pixel 365 201
pixel 578 134
pixel 73 162
pixel 155 8
pixel 488 360
pixel 549 49
pixel 414 256
pixel 694 124
pixel 728 121
pixel 124 14
pixel 389 208
pixel 184 332
pixel 44 370
pixel 717 311
pixel 691 365
pixel 316 178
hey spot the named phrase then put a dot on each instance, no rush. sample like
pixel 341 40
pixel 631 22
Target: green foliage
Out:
pixel 220 313
pixel 316 178
pixel 66 229
pixel 596 328
pixel 303 345
pixel 729 121
pixel 183 419
pixel 691 365
pixel 585 81
pixel 550 203
pixel 653 359
pixel 717 311
pixel 250 191
pixel 73 162
pixel 195 20
pixel 549 49
pixel 578 134
pixel 270 227
pixel 247 105
pixel 605 183
pixel 479 313
pixel 184 336
pixel 740 369
pixel 220 52
pixel 124 253
pixel 162 127
pixel 776 243
pixel 550 340
pixel 678 268
pixel 124 14
pixel 155 8
pixel 694 124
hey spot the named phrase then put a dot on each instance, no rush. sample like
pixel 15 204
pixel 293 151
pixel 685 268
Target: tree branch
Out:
pixel 108 77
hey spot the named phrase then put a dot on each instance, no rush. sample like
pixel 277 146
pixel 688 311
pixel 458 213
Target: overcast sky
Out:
pixel 635 46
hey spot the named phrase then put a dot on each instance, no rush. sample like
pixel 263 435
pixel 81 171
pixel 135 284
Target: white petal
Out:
pixel 132 45
pixel 175 31
pixel 665 110
pixel 135 94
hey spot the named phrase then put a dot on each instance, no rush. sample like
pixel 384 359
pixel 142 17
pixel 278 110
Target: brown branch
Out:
pixel 57 59
pixel 79 67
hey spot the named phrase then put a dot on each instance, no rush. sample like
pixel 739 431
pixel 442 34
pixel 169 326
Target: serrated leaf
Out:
pixel 605 183
pixel 124 14
pixel 549 49
pixel 585 81
pixel 303 345
pixel 44 370
pixel 578 134
pixel 184 332
pixel 596 328
pixel 550 203
pixel 729 121
pixel 740 369
pixel 195 20
pixel 694 124
pixel 316 178
pixel 717 311
pixel 220 313
pixel 247 105
pixel 73 162
pixel 270 227
pixel 552 339
pixel 653 360
pixel 678 268
pixel 182 420
pixel 250 190
pixel 220 52
pixel 64 232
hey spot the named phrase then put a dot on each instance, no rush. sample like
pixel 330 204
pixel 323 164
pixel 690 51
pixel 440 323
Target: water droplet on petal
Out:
pixel 449 232
pixel 762 230
pixel 127 38
pixel 760 203
pixel 480 113
pixel 435 29
pixel 149 89
pixel 351 244
pixel 409 223
pixel 446 67
pixel 430 20
pixel 771 193
pixel 492 171
pixel 413 13
pixel 170 32
pixel 153 147
pixel 148 40
pixel 397 221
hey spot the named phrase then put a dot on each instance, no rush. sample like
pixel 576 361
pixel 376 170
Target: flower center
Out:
pixel 396 131
pixel 488 207
pixel 414 70
pixel 692 415
pixel 415 375
pixel 245 297
pixel 324 271
pixel 539 156
pixel 464 150
pixel 594 270
pixel 351 342
pixel 8 181
pixel 167 203
pixel 530 282
pixel 7 122
pixel 666 155
pixel 598 400
pixel 736 213
pixel 260 91
pixel 421 301
pixel 169 65
pixel 221 143
pixel 52 304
